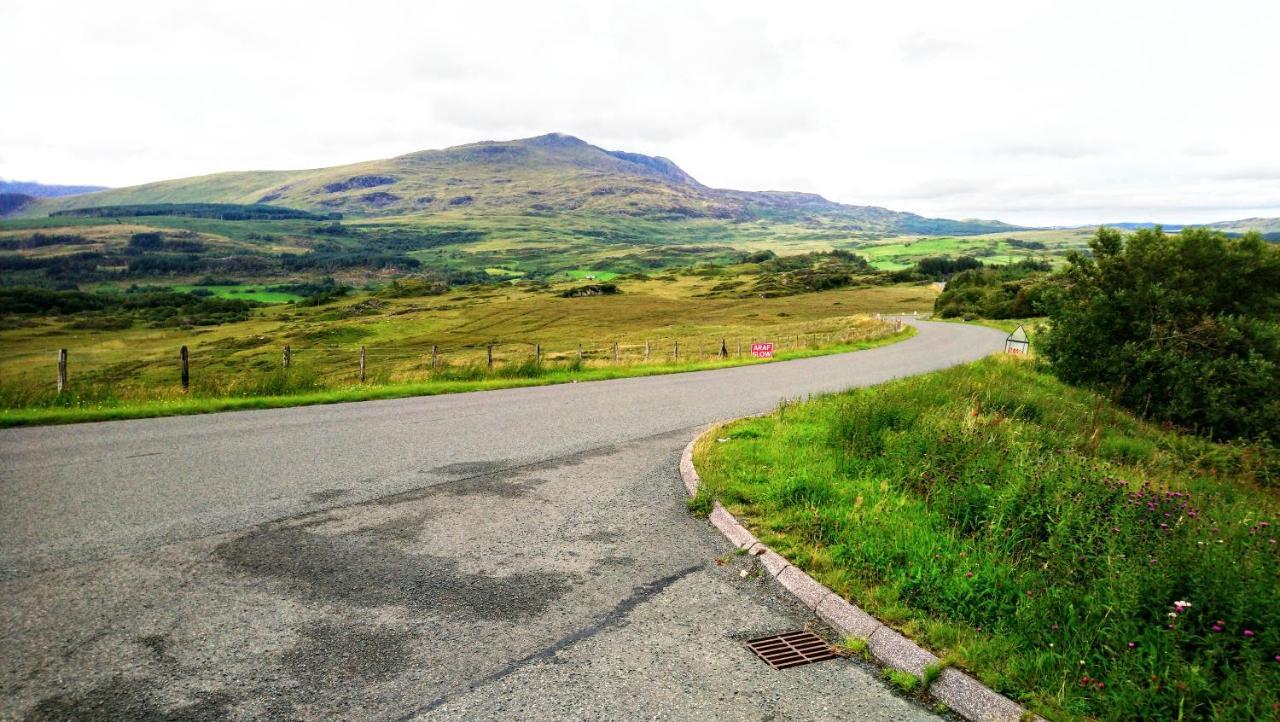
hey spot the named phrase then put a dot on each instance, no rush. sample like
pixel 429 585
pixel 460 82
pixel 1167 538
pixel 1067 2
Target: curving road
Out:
pixel 508 554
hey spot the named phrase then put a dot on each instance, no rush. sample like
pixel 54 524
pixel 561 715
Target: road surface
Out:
pixel 514 554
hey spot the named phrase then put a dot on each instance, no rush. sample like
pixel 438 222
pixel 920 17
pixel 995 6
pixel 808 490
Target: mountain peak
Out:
pixel 554 140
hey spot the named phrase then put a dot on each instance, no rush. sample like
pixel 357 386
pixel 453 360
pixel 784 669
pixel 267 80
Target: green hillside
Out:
pixel 546 175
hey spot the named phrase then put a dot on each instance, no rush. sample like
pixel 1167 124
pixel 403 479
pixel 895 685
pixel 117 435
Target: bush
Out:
pixel 1184 328
pixel 1013 291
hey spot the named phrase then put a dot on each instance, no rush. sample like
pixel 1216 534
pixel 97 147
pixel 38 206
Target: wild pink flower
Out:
pixel 968 575
pixel 1216 628
pixel 1248 632
pixel 1133 645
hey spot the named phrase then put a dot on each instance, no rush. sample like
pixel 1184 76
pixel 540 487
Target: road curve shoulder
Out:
pixel 965 695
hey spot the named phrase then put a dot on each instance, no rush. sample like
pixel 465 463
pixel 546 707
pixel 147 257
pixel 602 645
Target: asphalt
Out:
pixel 516 554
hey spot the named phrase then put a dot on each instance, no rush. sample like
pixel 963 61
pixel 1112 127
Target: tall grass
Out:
pixel 1075 558
pixel 22 404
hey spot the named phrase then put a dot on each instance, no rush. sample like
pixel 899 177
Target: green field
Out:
pixel 580 274
pixel 992 249
pixel 1073 557
pixel 260 294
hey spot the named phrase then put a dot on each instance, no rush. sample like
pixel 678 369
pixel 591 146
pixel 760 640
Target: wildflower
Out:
pixel 1248 632
pixel 1133 645
pixel 968 575
pixel 1173 615
pixel 1181 605
pixel 1217 628
pixel 1100 685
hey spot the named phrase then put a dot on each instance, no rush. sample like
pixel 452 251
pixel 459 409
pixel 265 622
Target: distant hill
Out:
pixel 549 174
pixel 40 190
pixel 1262 225
pixel 11 203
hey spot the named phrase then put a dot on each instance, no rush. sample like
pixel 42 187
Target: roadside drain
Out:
pixel 791 649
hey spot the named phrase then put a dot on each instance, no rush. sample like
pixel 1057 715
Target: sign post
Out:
pixel 1017 342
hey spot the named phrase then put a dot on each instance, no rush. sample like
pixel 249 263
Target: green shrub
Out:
pixel 1183 328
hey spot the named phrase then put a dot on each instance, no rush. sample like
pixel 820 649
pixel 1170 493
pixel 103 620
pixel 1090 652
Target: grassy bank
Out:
pixel 1073 557
pixel 282 388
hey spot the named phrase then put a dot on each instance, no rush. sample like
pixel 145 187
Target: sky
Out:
pixel 1039 113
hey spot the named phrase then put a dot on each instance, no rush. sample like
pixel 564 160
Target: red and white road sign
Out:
pixel 762 350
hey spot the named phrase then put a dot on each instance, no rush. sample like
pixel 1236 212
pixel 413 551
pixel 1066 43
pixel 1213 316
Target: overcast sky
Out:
pixel 1030 112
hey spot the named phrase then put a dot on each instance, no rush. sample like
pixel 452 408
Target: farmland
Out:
pixel 400 324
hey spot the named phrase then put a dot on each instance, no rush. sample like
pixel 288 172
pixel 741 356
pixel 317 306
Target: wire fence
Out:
pixel 419 360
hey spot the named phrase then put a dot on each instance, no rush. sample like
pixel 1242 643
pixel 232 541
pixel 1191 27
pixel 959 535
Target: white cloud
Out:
pixel 1030 111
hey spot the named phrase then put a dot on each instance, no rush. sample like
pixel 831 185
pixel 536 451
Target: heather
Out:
pixel 1071 555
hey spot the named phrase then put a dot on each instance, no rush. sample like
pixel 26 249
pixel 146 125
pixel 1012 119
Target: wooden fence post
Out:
pixel 362 363
pixel 724 349
pixel 677 350
pixel 616 356
pixel 286 356
pixel 62 370
pixel 489 360
pixel 579 352
pixel 186 369
pixel 433 356
pixel 537 352
pixel 739 348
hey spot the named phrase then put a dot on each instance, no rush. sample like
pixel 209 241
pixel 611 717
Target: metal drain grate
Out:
pixel 792 649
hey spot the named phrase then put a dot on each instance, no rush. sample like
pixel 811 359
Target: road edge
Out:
pixel 963 694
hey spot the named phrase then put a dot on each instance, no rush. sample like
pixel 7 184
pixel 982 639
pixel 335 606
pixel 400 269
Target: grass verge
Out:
pixel 293 392
pixel 1070 555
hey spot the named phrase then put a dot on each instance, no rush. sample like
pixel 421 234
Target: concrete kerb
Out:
pixel 962 693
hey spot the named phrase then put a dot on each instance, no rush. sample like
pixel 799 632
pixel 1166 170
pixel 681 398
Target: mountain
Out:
pixel 40 190
pixel 547 174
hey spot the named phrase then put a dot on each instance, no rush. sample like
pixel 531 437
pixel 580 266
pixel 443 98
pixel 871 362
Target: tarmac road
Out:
pixel 515 554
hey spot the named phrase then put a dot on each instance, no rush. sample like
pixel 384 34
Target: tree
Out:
pixel 1183 328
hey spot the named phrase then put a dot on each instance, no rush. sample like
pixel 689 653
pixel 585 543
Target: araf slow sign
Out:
pixel 762 350
pixel 1017 341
